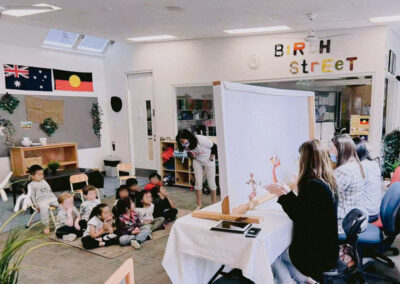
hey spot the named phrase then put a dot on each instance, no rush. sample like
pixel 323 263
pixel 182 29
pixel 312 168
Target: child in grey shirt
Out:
pixel 90 192
pixel 41 195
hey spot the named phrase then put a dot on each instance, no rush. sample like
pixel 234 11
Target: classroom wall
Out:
pixel 21 45
pixel 203 61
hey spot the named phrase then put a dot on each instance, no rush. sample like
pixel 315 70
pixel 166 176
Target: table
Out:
pixel 59 182
pixel 194 253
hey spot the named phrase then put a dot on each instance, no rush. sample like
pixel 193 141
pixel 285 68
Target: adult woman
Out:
pixel 202 150
pixel 314 248
pixel 371 195
pixel 349 175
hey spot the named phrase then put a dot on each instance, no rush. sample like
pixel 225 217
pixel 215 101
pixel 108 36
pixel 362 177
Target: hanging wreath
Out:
pixel 7 130
pixel 96 113
pixel 8 102
pixel 49 126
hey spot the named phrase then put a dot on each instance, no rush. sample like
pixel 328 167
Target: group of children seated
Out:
pixel 135 215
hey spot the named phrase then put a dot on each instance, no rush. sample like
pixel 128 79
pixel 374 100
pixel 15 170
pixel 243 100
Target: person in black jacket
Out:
pixel 314 248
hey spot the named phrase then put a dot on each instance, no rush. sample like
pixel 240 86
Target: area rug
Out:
pixel 116 251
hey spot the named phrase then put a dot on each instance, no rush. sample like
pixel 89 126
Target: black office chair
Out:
pixel 235 276
pixel 352 228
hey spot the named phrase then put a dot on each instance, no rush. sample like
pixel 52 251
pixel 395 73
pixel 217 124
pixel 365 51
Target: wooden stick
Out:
pixel 230 217
pixel 242 209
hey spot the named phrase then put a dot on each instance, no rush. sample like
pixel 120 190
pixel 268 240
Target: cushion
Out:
pixel 371 236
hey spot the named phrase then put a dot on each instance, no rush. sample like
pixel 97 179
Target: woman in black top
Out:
pixel 314 248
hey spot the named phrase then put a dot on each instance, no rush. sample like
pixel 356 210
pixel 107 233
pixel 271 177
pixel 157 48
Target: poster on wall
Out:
pixel 26 124
pixel 39 109
pixel 27 78
pixel 72 81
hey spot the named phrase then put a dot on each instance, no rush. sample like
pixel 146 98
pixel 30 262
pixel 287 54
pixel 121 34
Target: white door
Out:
pixel 140 90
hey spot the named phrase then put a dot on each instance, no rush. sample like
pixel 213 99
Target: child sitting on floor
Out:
pixel 129 228
pixel 99 232
pixel 90 193
pixel 155 181
pixel 146 213
pixel 121 193
pixel 41 195
pixel 69 222
pixel 134 190
pixel 164 206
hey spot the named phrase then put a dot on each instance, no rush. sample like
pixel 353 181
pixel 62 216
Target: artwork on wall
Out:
pixel 39 109
pixel 26 124
pixel 72 81
pixel 20 77
pixel 96 113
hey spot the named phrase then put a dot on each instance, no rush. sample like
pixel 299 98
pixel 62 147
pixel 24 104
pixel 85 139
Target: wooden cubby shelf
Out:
pixel 23 157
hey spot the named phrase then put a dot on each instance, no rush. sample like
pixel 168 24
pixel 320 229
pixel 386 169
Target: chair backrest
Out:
pixel 78 179
pixel 396 176
pixel 390 210
pixel 352 227
pixel 124 167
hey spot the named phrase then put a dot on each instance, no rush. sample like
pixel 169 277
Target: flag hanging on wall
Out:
pixel 20 77
pixel 72 81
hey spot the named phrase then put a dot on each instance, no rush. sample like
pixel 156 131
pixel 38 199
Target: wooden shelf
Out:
pixel 64 153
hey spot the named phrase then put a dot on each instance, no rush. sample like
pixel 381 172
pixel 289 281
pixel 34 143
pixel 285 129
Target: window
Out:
pixel 93 44
pixel 75 42
pixel 61 38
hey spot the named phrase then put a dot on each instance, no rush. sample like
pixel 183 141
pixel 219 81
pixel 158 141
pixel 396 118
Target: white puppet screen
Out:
pixel 258 128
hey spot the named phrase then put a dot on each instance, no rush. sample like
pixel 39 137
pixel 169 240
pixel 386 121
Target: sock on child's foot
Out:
pixel 135 244
pixel 46 230
pixel 69 237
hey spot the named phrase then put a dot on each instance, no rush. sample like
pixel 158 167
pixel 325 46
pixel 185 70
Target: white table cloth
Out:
pixel 194 253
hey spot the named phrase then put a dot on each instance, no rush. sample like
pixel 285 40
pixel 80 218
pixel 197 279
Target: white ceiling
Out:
pixel 119 19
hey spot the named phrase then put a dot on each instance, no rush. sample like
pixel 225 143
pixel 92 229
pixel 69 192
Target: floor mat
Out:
pixel 116 251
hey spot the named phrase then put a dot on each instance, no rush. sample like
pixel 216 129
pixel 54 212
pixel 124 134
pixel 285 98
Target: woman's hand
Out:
pixel 212 157
pixel 278 188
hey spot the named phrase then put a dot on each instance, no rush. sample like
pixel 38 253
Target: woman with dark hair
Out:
pixel 314 248
pixel 202 150
pixel 371 196
pixel 349 175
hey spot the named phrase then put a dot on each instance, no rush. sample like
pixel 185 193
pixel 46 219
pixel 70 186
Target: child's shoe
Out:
pixel 69 237
pixel 149 237
pixel 46 230
pixel 135 244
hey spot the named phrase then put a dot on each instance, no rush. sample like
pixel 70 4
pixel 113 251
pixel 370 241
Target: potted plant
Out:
pixel 53 166
pixel 17 245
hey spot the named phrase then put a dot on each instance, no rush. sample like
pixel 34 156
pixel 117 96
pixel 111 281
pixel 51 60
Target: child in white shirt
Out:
pixel 69 222
pixel 146 213
pixel 87 206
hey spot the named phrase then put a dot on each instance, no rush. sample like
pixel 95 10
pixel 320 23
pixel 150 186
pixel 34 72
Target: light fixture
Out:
pixel 258 30
pixel 387 19
pixel 21 11
pixel 151 38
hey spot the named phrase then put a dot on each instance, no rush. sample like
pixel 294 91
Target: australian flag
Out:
pixel 19 77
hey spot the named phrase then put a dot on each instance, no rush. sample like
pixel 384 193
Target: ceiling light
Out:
pixel 386 19
pixel 151 38
pixel 21 11
pixel 258 30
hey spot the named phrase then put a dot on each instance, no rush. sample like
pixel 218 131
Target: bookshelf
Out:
pixel 23 157
pixel 183 172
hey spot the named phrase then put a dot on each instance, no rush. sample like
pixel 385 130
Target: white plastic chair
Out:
pixel 2 185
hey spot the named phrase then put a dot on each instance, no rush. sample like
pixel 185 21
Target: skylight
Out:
pixel 61 38
pixel 33 10
pixel 93 44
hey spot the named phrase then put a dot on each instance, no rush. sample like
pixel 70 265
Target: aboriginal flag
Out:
pixel 72 81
